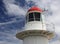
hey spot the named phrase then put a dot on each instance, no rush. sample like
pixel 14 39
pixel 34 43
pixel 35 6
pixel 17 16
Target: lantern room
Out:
pixel 34 14
pixel 35 19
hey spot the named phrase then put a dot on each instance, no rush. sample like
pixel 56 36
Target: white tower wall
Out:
pixel 35 25
pixel 35 40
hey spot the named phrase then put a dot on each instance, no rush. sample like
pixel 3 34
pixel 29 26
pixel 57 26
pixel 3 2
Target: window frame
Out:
pixel 34 18
pixel 30 18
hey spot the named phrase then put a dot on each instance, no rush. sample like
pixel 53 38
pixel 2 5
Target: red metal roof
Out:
pixel 35 9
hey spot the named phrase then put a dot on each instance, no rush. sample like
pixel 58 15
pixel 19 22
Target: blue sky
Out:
pixel 12 18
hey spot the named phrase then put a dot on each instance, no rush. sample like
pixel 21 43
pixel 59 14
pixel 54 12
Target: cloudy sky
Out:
pixel 12 15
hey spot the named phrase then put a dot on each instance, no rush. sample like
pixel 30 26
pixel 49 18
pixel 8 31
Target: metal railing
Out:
pixel 50 27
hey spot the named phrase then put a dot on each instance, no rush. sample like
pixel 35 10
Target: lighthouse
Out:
pixel 35 29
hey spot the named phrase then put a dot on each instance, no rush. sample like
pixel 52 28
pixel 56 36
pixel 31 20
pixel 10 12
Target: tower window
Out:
pixel 31 17
pixel 34 16
pixel 37 16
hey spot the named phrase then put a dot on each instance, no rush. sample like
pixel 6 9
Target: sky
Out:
pixel 12 18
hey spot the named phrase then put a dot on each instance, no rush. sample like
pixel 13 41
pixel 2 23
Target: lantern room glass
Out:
pixel 33 16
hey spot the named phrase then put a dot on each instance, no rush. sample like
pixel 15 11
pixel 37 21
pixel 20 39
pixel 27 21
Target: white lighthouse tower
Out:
pixel 35 31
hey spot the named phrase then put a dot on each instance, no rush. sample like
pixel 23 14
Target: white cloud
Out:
pixel 8 1
pixel 9 22
pixel 56 42
pixel 9 38
pixel 13 8
pixel 6 42
pixel 55 18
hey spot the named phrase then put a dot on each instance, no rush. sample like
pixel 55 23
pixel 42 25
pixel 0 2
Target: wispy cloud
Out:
pixel 13 8
pixel 9 38
pixel 55 18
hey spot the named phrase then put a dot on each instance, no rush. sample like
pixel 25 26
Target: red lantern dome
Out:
pixel 35 9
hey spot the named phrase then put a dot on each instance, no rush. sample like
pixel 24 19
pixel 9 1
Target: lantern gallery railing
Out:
pixel 49 27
